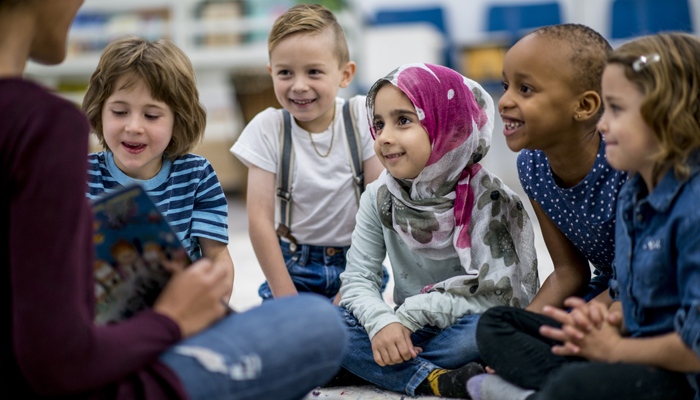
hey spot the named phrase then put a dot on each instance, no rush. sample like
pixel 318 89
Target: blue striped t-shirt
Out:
pixel 186 191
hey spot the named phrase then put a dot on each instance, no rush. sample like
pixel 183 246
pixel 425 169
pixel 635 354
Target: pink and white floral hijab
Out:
pixel 454 207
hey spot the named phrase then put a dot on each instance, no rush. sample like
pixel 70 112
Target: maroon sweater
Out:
pixel 46 252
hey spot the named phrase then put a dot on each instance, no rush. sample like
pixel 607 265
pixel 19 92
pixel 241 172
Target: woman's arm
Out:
pixel 571 271
pixel 218 253
pixel 50 264
pixel 261 220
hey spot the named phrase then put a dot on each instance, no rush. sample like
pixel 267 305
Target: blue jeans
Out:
pixel 597 285
pixel 315 269
pixel 448 348
pixel 280 350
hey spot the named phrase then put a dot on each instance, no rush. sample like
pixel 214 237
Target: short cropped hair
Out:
pixel 309 19
pixel 168 74
pixel 671 90
pixel 589 51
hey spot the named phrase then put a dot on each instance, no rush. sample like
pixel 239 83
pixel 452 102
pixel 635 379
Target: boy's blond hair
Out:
pixel 309 19
pixel 168 74
pixel 671 89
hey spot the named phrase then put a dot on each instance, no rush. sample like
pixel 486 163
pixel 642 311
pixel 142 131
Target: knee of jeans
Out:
pixel 318 308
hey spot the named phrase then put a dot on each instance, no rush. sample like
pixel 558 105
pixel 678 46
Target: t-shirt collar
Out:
pixel 147 184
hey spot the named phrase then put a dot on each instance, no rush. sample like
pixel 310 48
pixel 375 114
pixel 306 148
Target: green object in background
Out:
pixel 333 5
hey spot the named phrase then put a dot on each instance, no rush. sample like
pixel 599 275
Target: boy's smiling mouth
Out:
pixel 134 148
pixel 302 102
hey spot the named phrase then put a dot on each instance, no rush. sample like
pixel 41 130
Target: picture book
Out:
pixel 133 246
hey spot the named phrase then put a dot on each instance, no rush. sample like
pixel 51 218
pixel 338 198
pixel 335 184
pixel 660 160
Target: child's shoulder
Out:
pixel 529 161
pixel 267 121
pixel 190 161
pixel 97 156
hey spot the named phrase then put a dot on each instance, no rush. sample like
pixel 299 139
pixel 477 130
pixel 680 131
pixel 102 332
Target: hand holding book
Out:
pixel 192 297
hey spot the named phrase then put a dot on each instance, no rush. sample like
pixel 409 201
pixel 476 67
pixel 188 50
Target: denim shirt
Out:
pixel 657 258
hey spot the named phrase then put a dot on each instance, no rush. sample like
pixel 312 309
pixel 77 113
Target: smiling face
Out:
pixel 402 145
pixel 630 144
pixel 539 101
pixel 137 128
pixel 306 75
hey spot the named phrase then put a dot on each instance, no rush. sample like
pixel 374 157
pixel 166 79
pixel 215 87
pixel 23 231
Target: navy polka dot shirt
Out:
pixel 585 213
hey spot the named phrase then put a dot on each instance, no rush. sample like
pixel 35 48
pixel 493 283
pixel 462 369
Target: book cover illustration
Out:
pixel 133 243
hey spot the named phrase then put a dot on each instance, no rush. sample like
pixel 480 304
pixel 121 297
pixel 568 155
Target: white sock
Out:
pixel 493 387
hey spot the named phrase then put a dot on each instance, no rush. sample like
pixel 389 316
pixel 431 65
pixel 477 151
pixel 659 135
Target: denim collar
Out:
pixel 667 189
pixel 148 184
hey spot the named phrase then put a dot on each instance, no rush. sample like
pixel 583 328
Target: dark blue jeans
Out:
pixel 280 350
pixel 315 269
pixel 449 348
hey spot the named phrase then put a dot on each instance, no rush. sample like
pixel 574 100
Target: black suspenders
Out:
pixel 286 168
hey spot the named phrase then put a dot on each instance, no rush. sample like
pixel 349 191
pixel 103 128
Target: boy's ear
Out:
pixel 588 106
pixel 269 69
pixel 348 72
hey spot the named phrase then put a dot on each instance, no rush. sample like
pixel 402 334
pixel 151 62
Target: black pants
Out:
pixel 509 342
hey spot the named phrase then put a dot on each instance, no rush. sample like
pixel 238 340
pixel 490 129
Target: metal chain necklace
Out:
pixel 332 137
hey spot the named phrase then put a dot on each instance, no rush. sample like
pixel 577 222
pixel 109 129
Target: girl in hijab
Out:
pixel 459 240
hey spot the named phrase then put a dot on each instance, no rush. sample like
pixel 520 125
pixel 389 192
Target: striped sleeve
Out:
pixel 210 213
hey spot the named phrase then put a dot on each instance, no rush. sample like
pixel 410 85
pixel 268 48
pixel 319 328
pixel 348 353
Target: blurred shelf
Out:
pixel 245 56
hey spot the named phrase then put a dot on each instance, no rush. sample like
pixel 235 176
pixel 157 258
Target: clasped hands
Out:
pixel 590 330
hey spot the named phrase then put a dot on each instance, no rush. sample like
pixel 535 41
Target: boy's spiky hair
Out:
pixel 589 51
pixel 311 19
pixel 168 74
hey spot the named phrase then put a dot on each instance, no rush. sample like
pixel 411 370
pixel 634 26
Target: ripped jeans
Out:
pixel 280 350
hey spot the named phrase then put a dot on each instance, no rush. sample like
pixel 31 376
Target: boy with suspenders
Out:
pixel 304 184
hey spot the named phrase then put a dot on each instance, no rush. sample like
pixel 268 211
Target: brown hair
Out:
pixel 671 89
pixel 169 75
pixel 309 19
pixel 589 50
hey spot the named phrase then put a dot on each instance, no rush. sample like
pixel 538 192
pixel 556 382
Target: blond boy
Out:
pixel 309 62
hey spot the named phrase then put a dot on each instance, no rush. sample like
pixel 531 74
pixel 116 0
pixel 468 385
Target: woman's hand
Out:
pixel 192 297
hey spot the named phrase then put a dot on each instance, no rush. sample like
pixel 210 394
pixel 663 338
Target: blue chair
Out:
pixel 516 19
pixel 643 17
pixel 433 15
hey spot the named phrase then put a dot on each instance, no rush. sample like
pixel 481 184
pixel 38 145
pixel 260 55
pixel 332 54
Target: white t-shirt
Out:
pixel 323 194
